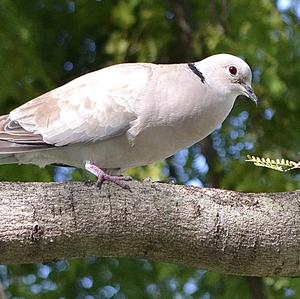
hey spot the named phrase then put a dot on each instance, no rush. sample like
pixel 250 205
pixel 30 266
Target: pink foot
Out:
pixel 102 176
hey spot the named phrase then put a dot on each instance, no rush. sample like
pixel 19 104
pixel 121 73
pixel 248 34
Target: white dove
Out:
pixel 125 115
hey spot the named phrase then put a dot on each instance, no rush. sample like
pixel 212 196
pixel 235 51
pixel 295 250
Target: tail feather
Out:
pixel 8 159
pixel 11 143
pixel 14 141
pixel 8 151
pixel 11 131
pixel 9 148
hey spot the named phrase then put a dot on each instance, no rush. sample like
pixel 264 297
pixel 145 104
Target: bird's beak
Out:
pixel 249 92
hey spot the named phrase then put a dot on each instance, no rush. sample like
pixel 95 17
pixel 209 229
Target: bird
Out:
pixel 125 115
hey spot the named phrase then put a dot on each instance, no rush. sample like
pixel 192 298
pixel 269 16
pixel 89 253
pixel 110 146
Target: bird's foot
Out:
pixel 103 176
pixel 118 180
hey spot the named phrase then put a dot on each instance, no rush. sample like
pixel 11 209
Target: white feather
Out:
pixel 94 107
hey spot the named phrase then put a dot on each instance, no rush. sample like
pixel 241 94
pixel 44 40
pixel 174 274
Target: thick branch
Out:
pixel 225 231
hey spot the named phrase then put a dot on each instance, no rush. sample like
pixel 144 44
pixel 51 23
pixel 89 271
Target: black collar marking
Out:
pixel 196 72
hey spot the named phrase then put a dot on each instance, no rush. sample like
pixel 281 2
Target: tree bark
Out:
pixel 224 231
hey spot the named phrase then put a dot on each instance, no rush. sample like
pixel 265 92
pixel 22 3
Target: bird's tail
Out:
pixel 8 159
pixel 15 140
pixel 8 150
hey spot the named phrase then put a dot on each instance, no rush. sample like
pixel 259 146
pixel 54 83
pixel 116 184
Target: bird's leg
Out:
pixel 102 176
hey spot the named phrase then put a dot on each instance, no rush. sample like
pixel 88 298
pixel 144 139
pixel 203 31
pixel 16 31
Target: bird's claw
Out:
pixel 102 176
pixel 118 180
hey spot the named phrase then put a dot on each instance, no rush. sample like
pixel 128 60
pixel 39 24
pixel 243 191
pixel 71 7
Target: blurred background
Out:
pixel 46 43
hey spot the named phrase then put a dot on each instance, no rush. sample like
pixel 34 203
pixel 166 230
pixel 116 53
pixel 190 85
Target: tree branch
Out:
pixel 224 231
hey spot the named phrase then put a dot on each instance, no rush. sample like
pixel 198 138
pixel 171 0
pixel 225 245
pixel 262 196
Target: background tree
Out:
pixel 44 44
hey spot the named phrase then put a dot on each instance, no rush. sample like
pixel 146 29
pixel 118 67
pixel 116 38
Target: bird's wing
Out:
pixel 96 106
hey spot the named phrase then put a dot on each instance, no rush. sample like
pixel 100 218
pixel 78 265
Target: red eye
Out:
pixel 232 70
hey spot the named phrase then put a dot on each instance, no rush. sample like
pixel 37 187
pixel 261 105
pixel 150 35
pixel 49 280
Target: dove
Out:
pixel 125 115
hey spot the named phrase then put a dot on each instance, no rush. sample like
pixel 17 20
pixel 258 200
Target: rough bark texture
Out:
pixel 218 230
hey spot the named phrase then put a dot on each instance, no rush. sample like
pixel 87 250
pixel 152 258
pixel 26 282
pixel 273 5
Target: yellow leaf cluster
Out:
pixel 278 164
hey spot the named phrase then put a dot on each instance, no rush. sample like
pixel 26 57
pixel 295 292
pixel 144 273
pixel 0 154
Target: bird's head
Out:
pixel 230 73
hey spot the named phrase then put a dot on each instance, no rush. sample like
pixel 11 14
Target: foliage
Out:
pixel 278 164
pixel 44 44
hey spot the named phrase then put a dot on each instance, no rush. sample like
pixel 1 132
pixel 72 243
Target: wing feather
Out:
pixel 96 106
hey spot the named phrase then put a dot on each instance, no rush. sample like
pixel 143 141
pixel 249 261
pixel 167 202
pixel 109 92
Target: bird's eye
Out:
pixel 232 70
